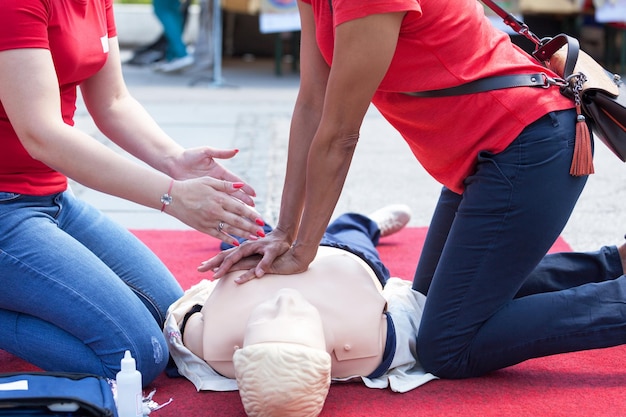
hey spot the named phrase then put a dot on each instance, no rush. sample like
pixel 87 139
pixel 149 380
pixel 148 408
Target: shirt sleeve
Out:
pixel 24 24
pixel 346 10
pixel 111 27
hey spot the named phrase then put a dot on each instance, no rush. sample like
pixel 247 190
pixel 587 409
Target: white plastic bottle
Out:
pixel 129 393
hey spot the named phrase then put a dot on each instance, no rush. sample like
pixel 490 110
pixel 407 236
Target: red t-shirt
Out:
pixel 444 43
pixel 76 32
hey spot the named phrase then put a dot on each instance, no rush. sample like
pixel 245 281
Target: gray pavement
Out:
pixel 250 110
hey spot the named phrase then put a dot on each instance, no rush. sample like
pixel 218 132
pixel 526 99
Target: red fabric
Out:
pixel 575 384
pixel 444 44
pixel 75 32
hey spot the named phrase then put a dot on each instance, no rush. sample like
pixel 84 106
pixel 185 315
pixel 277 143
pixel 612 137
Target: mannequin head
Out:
pixel 283 368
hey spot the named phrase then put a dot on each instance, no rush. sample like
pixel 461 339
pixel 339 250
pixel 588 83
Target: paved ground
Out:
pixel 250 110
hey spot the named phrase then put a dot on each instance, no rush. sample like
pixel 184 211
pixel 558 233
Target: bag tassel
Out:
pixel 582 162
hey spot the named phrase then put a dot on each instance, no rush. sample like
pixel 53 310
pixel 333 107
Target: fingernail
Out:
pixel 259 222
pixel 238 185
pixel 253 237
pixel 236 150
pixel 260 233
pixel 234 243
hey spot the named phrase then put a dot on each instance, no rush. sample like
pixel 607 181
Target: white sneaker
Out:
pixel 391 219
pixel 174 65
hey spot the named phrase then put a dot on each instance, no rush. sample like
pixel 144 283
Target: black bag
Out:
pixel 609 118
pixel 602 94
pixel 55 394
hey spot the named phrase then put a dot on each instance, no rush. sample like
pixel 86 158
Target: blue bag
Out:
pixel 55 394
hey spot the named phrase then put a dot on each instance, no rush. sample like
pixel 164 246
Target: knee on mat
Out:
pixel 151 360
pixel 442 362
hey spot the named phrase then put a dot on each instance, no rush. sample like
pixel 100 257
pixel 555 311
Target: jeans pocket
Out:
pixel 8 197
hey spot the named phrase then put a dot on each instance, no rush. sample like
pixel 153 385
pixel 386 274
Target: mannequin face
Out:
pixel 285 317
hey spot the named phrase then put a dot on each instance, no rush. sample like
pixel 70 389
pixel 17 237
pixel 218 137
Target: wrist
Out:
pixel 304 252
pixel 167 198
pixel 170 163
pixel 287 233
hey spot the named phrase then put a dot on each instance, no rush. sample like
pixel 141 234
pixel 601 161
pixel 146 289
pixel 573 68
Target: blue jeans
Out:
pixel 359 235
pixel 170 15
pixel 494 298
pixel 78 290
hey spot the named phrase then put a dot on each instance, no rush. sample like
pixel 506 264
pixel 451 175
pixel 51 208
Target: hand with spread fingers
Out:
pixel 201 162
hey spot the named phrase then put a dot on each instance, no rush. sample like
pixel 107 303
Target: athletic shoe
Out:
pixel 391 219
pixel 175 65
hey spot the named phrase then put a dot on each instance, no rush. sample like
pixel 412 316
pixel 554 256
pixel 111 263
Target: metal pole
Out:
pixel 217 44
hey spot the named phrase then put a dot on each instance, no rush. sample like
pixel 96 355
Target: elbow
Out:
pixel 34 146
pixel 37 143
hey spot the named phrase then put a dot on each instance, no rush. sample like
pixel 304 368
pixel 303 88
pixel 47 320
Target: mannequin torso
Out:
pixel 339 284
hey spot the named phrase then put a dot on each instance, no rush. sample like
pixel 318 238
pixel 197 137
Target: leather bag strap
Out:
pixel 488 84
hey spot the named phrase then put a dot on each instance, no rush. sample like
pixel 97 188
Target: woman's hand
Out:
pixel 274 254
pixel 215 207
pixel 200 162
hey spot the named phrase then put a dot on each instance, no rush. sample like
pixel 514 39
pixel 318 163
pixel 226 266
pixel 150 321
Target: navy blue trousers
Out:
pixel 494 298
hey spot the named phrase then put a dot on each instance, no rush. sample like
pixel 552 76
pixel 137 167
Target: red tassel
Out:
pixel 582 162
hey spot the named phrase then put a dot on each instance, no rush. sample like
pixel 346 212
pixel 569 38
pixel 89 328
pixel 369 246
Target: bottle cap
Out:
pixel 128 362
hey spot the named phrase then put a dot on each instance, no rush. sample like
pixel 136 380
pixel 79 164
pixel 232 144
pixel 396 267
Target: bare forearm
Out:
pixel 130 126
pixel 124 120
pixel 98 167
pixel 305 122
pixel 327 169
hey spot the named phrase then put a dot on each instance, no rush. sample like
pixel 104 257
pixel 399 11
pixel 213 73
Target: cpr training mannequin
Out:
pixel 337 312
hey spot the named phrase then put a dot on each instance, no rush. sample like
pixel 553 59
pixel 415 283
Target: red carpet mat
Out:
pixel 590 383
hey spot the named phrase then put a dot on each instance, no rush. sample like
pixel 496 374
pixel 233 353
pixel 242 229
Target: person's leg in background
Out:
pixel 170 14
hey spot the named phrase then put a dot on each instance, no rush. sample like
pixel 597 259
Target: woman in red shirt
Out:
pixel 79 290
pixel 502 156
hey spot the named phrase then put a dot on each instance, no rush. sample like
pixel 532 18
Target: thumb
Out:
pixel 221 153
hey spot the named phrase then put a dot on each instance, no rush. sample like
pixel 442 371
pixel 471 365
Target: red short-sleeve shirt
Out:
pixel 76 32
pixel 444 43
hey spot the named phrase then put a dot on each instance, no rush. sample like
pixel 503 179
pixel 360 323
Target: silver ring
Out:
pixel 220 226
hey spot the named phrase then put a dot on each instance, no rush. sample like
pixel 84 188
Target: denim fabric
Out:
pixel 359 235
pixel 78 290
pixel 494 298
pixel 170 14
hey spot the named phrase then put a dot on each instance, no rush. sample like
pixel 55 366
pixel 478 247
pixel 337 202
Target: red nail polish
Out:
pixel 260 222
pixel 234 243
pixel 236 150
pixel 260 233
pixel 238 185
